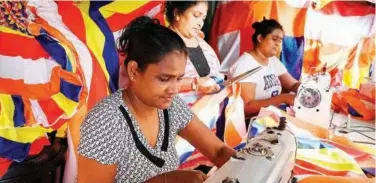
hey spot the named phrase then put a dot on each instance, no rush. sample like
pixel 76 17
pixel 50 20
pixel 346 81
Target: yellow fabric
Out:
pixel 24 134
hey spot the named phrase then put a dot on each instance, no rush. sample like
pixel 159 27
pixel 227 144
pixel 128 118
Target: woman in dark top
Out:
pixel 187 18
pixel 130 135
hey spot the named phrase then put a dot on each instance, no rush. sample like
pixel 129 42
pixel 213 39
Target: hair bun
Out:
pixel 256 25
pixel 142 23
pixel 138 24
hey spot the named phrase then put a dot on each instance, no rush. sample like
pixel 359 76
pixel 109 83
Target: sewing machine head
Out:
pixel 313 100
pixel 266 158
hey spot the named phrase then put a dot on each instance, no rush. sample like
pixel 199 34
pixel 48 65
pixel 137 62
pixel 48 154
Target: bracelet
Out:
pixel 194 84
pixel 165 178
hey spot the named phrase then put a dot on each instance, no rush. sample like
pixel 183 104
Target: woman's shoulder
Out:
pixel 246 60
pixel 244 63
pixel 108 105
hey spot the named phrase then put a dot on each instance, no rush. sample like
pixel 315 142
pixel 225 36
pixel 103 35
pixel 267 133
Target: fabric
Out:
pixel 319 155
pixel 352 102
pixel 266 80
pixel 347 53
pixel 199 61
pixel 106 137
pixel 52 83
pixel 231 33
pixel 314 35
pixel 226 120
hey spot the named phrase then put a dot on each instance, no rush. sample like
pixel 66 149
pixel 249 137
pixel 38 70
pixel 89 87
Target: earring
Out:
pixel 132 78
pixel 177 18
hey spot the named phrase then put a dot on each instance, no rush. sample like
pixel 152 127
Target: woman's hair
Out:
pixel 263 28
pixel 145 41
pixel 180 7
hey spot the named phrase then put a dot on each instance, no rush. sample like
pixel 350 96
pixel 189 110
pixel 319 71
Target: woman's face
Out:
pixel 271 44
pixel 159 83
pixel 190 22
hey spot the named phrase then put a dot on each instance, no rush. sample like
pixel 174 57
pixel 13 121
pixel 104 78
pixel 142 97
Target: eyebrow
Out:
pixel 200 13
pixel 170 75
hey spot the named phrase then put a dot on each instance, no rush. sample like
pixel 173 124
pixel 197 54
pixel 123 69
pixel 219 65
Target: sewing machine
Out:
pixel 314 98
pixel 266 158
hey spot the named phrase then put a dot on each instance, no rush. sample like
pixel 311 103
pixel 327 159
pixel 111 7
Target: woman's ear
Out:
pixel 132 69
pixel 259 38
pixel 176 15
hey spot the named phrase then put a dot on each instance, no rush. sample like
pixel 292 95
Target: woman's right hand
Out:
pixel 207 85
pixel 288 98
pixel 185 176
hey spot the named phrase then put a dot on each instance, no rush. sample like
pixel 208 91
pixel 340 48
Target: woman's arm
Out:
pixel 289 83
pixel 90 170
pixel 197 134
pixel 252 106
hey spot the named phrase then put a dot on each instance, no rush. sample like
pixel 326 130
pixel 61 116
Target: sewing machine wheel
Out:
pixel 230 180
pixel 309 97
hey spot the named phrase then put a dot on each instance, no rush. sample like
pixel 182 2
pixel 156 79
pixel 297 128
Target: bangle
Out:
pixel 165 178
pixel 194 84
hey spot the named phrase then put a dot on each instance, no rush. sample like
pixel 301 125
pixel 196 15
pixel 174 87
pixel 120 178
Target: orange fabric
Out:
pixel 34 49
pixel 342 100
pixel 38 91
pixel 367 90
pixel 335 179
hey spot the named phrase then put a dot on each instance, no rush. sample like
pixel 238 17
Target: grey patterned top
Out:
pixel 107 138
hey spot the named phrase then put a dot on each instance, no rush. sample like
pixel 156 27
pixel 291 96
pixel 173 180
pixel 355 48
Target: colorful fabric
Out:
pixel 311 39
pixel 51 83
pixel 352 102
pixel 318 155
pixel 221 112
pixel 13 15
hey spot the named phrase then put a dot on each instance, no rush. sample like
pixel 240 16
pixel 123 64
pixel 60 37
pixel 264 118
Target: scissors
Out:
pixel 224 84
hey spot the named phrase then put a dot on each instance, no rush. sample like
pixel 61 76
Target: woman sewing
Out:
pixel 129 136
pixel 264 88
pixel 187 18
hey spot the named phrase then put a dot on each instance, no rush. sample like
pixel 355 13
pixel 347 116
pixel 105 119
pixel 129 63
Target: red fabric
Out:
pixel 38 145
pixel 4 165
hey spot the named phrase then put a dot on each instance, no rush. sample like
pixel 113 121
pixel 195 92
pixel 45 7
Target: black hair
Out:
pixel 145 41
pixel 263 28
pixel 179 6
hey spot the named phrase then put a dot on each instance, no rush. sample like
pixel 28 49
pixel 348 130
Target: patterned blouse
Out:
pixel 111 135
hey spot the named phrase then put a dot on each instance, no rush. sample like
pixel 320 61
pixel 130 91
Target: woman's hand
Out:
pixel 288 98
pixel 207 85
pixel 186 176
pixel 181 176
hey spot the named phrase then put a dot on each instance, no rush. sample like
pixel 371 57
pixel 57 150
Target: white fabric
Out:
pixel 31 71
pixel 327 28
pixel 266 80
pixel 229 49
pixel 48 11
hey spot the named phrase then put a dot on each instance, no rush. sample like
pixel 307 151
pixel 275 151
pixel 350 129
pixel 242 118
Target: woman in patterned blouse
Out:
pixel 129 136
pixel 187 18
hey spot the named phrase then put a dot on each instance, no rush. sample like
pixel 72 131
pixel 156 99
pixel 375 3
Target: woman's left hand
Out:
pixel 207 85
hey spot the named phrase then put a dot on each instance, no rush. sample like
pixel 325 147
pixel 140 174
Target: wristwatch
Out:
pixel 194 84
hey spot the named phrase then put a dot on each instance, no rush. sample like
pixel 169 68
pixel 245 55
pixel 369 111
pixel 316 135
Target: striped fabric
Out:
pixel 337 34
pixel 334 159
pixel 68 61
